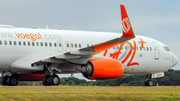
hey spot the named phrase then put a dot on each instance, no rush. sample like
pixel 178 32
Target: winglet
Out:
pixel 126 25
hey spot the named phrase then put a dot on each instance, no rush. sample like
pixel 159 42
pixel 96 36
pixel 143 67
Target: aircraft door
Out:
pixel 60 46
pixel 156 51
pixel 67 46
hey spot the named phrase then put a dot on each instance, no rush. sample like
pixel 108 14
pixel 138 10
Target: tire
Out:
pixel 46 80
pixel 54 80
pixel 12 81
pixel 150 83
pixel 4 80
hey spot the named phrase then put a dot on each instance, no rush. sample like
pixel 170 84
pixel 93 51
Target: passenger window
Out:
pixel 55 45
pixel 50 44
pixel 117 47
pixel 150 49
pixel 0 42
pixel 88 45
pixel 32 43
pixel 133 47
pixel 19 43
pixel 45 44
pixel 14 42
pixel 144 48
pixel 121 47
pixel 28 43
pixel 126 47
pixel 10 43
pixel 67 45
pixel 5 42
pixel 147 49
pixel 75 45
pixel 79 45
pixel 41 44
pixel 72 45
pixel 37 43
pixel 140 48
pixel 24 43
pixel 137 48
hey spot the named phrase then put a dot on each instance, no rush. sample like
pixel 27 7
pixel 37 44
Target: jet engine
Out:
pixel 102 68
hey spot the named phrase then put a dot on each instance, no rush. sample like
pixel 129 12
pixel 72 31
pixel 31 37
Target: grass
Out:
pixel 93 93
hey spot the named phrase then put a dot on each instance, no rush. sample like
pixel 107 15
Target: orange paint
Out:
pixel 103 46
pixel 127 29
pixel 142 42
pixel 134 63
pixel 31 36
pixel 106 68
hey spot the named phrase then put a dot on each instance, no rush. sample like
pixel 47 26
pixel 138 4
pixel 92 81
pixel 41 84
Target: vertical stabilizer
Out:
pixel 126 25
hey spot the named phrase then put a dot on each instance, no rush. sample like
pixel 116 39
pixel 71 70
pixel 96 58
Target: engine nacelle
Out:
pixel 31 77
pixel 102 68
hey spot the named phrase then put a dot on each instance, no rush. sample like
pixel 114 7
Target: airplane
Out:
pixel 40 54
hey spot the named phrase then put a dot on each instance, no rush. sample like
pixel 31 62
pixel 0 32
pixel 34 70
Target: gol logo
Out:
pixel 125 25
pixel 33 37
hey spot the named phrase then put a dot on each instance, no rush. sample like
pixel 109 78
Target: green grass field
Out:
pixel 93 93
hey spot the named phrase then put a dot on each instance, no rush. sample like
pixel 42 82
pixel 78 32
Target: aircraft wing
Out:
pixel 84 54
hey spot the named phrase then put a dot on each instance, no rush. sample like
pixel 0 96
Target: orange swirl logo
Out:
pixel 125 25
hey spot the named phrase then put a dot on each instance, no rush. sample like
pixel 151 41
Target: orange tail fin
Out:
pixel 126 25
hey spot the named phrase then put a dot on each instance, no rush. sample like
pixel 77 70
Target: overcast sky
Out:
pixel 158 19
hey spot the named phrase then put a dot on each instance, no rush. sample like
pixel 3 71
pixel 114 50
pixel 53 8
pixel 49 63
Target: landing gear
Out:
pixel 148 81
pixel 11 80
pixel 49 80
pixel 53 79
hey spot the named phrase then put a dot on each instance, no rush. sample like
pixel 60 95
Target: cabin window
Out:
pixel 41 44
pixel 117 47
pixel 144 48
pixel 79 45
pixel 14 42
pixel 167 49
pixel 126 47
pixel 137 48
pixel 147 49
pixel 72 45
pixel 50 44
pixel 0 42
pixel 5 42
pixel 10 43
pixel 75 45
pixel 32 43
pixel 19 43
pixel 150 49
pixel 67 45
pixel 133 47
pixel 140 48
pixel 45 44
pixel 87 45
pixel 60 45
pixel 37 43
pixel 28 43
pixel 24 43
pixel 55 45
pixel 121 47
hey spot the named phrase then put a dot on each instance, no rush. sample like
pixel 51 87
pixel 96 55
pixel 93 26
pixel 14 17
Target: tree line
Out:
pixel 171 78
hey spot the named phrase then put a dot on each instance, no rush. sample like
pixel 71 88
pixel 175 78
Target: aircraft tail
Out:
pixel 126 25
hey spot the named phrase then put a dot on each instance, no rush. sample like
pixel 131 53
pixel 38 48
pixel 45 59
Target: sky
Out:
pixel 157 19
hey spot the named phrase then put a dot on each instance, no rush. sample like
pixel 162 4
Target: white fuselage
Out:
pixel 18 43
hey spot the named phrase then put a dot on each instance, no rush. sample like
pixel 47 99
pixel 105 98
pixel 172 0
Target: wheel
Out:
pixel 54 80
pixel 148 83
pixel 12 81
pixel 46 80
pixel 4 80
